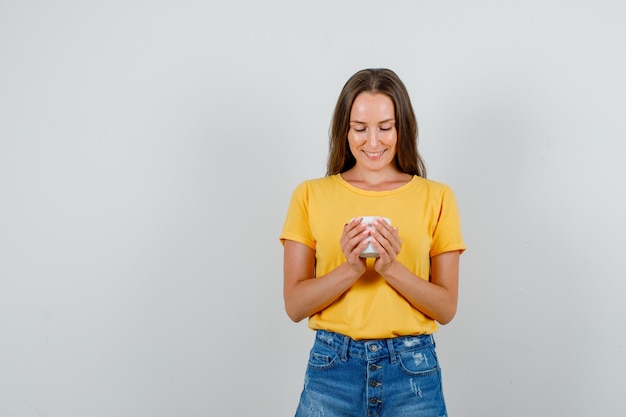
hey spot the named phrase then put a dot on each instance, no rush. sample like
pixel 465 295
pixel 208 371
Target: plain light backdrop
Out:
pixel 148 151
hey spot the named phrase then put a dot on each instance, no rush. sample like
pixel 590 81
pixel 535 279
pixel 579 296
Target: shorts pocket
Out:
pixel 421 362
pixel 323 356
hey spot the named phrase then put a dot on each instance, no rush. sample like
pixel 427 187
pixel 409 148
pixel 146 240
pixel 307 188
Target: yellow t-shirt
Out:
pixel 426 215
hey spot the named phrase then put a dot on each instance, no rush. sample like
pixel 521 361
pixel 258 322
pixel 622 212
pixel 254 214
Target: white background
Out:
pixel 148 150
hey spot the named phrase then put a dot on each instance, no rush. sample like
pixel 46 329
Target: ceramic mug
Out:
pixel 369 251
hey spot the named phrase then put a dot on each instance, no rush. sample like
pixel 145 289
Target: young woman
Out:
pixel 374 353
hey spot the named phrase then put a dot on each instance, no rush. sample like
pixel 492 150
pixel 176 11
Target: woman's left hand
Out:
pixel 386 241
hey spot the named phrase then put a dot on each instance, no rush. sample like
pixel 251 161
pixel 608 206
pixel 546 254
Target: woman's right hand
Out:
pixel 353 241
pixel 305 293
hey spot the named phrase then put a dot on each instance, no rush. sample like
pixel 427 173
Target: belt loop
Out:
pixel 344 348
pixel 392 352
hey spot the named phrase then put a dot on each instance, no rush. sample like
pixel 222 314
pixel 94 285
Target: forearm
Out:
pixel 436 301
pixel 308 296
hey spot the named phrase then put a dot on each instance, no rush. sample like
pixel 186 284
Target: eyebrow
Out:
pixel 382 121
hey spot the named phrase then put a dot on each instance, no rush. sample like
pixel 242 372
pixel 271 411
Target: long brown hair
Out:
pixel 378 80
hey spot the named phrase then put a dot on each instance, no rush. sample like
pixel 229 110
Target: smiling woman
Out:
pixel 372 136
pixel 374 318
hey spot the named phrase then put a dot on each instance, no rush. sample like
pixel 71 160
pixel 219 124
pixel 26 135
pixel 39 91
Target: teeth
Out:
pixel 373 154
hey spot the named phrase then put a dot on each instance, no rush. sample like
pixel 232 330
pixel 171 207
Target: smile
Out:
pixel 374 155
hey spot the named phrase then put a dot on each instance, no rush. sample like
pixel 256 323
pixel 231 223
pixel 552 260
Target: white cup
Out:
pixel 369 251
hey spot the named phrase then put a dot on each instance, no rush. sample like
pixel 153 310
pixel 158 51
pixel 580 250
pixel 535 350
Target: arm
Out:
pixel 306 294
pixel 436 298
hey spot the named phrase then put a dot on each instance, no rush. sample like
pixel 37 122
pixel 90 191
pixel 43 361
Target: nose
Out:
pixel 372 138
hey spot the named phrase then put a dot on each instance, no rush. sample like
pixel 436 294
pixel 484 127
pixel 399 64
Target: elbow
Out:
pixel 294 307
pixel 294 317
pixel 447 316
pixel 293 313
pixel 445 320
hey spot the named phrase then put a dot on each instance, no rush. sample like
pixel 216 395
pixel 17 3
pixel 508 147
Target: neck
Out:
pixel 376 180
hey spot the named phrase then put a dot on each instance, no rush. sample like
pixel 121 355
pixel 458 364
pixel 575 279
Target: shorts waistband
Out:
pixel 373 349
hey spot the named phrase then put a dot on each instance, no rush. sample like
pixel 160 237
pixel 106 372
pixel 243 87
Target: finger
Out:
pixel 387 245
pixel 384 228
pixel 350 230
pixel 386 251
pixel 390 234
pixel 383 236
pixel 353 246
pixel 360 246
pixel 354 226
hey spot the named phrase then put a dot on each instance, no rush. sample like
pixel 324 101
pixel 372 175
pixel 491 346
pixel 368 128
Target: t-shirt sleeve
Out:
pixel 447 236
pixel 297 226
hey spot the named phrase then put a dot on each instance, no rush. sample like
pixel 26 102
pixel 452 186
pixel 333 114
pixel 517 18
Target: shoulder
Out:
pixel 433 186
pixel 437 193
pixel 316 183
pixel 323 181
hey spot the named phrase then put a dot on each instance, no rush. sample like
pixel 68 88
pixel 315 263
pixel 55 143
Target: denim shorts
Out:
pixel 398 377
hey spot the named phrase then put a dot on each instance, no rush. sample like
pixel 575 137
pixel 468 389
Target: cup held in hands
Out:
pixel 369 251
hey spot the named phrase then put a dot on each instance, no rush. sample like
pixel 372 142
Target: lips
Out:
pixel 374 155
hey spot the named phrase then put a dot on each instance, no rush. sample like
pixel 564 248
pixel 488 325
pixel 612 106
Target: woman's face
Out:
pixel 372 135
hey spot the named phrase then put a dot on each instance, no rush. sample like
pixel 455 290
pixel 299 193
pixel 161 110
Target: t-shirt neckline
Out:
pixel 358 190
